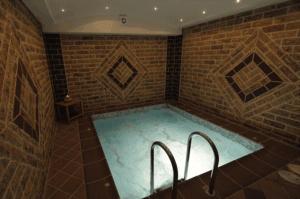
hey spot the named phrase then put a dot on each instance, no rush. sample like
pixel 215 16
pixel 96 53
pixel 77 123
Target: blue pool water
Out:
pixel 126 138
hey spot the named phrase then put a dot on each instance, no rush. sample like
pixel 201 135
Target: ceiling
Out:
pixel 103 16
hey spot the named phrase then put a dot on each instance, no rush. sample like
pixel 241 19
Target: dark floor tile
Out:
pixel 79 173
pixel 59 163
pixel 239 174
pixel 49 191
pixel 84 123
pixel 237 195
pixel 71 167
pixel 90 143
pixel 102 189
pixel 64 143
pixel 52 172
pixel 59 151
pixel 78 159
pixel 256 166
pixel 193 189
pixel 71 185
pixel 70 145
pixel 60 195
pixel 87 134
pixel 224 186
pixel 85 128
pixel 92 155
pixel 275 187
pixel 165 194
pixel 72 154
pixel 80 193
pixel 59 179
pixel 282 150
pixel 271 159
pixel 254 193
pixel 96 171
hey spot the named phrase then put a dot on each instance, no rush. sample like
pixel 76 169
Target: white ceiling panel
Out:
pixel 90 16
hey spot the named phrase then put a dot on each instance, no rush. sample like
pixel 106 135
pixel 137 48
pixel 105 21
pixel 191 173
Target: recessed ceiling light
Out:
pixel 63 10
pixel 181 20
pixel 106 7
pixel 204 12
pixel 237 1
pixel 155 8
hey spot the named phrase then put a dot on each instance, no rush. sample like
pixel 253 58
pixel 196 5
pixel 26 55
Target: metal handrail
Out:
pixel 174 166
pixel 216 162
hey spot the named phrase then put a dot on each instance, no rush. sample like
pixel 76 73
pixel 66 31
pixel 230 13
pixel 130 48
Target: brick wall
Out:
pixel 26 104
pixel 247 67
pixel 115 72
pixel 173 67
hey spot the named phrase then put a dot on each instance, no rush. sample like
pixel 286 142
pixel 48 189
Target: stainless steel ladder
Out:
pixel 174 166
pixel 216 161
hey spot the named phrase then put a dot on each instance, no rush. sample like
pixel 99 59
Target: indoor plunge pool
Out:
pixel 126 138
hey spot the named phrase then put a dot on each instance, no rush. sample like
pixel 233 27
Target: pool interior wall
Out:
pixel 126 138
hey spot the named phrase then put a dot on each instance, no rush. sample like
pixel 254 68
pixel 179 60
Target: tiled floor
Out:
pixel 251 177
pixel 99 182
pixel 65 176
pixel 270 187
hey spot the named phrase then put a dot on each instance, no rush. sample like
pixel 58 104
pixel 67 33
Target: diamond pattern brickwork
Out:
pixel 250 75
pixel 263 93
pixel 121 72
pixel 115 72
pixel 252 78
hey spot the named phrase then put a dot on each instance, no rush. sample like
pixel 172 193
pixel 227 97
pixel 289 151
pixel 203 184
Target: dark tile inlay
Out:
pixel 275 80
pixel 111 72
pixel 265 68
pixel 26 113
